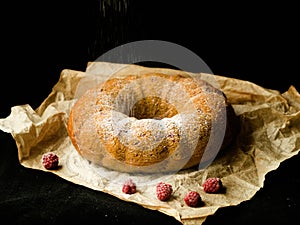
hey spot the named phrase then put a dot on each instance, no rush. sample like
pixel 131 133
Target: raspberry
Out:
pixel 50 161
pixel 163 191
pixel 193 199
pixel 212 185
pixel 129 187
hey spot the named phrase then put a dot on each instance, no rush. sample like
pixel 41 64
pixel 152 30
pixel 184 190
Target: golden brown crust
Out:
pixel 150 123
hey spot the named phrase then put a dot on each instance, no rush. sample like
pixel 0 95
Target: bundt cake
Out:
pixel 151 123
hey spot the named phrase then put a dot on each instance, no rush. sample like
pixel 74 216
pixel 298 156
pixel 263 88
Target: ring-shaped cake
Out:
pixel 151 123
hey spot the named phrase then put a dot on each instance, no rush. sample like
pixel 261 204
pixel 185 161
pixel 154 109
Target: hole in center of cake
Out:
pixel 153 108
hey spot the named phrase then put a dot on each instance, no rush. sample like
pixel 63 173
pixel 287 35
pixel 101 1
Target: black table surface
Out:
pixel 251 42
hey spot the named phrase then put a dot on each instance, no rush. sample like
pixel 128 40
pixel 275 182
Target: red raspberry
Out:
pixel 50 161
pixel 193 199
pixel 212 185
pixel 163 191
pixel 129 187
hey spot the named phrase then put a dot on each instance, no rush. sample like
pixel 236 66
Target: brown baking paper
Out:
pixel 270 132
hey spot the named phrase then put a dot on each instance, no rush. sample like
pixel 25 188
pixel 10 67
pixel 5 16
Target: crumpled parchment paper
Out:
pixel 270 134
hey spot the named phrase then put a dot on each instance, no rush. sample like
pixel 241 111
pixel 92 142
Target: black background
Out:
pixel 248 41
